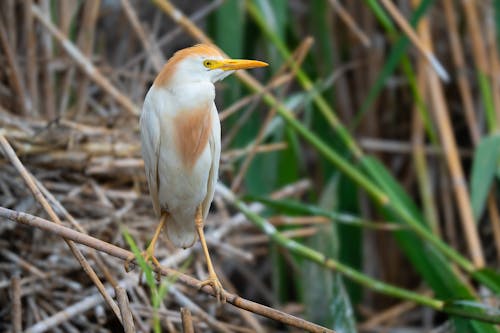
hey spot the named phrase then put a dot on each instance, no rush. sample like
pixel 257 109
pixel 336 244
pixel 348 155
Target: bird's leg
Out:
pixel 148 255
pixel 212 280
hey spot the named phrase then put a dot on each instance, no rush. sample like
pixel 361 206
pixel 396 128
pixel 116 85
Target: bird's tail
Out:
pixel 181 232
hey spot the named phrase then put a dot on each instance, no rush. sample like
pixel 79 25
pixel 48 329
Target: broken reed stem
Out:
pixel 28 179
pixel 184 301
pixel 408 30
pixel 187 321
pixel 459 184
pixel 123 254
pixel 440 110
pixel 123 304
pixel 85 65
pixel 16 304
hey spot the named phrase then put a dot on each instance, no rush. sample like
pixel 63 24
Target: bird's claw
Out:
pixel 214 282
pixel 148 258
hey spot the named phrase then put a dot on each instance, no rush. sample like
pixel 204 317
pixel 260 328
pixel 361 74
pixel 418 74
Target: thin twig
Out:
pixel 187 321
pixel 123 304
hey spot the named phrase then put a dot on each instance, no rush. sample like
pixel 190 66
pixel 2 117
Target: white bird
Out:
pixel 181 144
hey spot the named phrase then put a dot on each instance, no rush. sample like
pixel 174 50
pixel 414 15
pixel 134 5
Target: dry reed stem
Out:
pixel 494 61
pixel 388 314
pixel 16 305
pixel 350 22
pixel 9 15
pixel 14 73
pixel 85 65
pixel 461 70
pixel 28 179
pixel 184 301
pixel 418 135
pixel 459 184
pixel 85 43
pixel 494 220
pixel 187 321
pixel 62 316
pixel 47 72
pixel 152 51
pixel 115 251
pixel 408 30
pixel 123 304
pixel 476 35
pixel 31 63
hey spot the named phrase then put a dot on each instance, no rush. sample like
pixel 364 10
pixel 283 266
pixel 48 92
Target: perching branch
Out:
pixel 118 252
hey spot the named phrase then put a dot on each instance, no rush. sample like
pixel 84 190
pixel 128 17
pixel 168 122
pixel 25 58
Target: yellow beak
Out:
pixel 234 64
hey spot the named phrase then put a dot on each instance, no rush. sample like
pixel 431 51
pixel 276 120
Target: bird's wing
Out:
pixel 150 147
pixel 215 147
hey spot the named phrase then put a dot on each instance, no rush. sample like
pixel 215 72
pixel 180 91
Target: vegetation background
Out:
pixel 365 160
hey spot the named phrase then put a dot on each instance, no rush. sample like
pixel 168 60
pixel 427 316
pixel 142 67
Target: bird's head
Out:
pixel 201 62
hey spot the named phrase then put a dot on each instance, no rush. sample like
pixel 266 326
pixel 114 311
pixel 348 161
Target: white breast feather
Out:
pixel 173 188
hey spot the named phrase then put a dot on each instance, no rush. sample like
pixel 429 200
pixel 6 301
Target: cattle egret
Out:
pixel 180 139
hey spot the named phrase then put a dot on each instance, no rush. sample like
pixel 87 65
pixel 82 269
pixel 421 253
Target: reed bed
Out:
pixel 358 175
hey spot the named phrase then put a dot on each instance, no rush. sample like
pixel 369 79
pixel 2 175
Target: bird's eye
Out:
pixel 207 63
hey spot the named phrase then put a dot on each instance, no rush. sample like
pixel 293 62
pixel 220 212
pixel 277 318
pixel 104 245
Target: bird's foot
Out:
pixel 214 282
pixel 148 257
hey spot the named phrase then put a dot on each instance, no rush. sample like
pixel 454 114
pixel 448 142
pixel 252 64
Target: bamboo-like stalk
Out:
pixel 456 172
pixel 306 83
pixel 333 264
pixel 459 183
pixel 426 193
